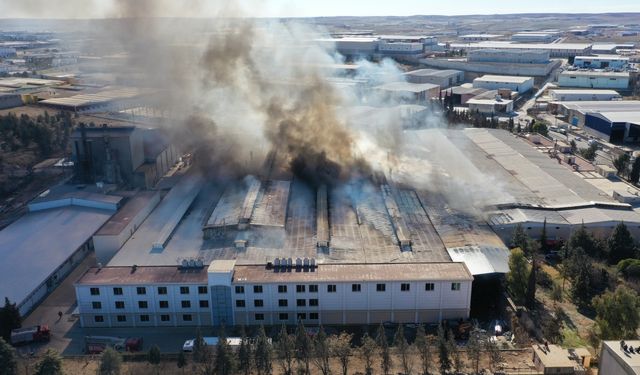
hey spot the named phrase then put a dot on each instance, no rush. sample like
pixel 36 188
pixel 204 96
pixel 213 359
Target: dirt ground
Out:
pixel 513 362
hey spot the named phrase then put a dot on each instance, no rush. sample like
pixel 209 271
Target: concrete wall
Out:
pixel 566 79
pixel 493 68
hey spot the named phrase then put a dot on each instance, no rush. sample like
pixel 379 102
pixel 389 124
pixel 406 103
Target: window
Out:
pixel 302 316
pixel 282 288
pixel 283 316
pixel 259 317
pixel 313 316
pixel 202 289
pixel 164 304
pixel 313 302
pixel 95 291
pixel 204 303
pixel 141 290
pixel 165 318
pixel 429 287
pixel 121 318
pixel 142 304
pixel 257 288
pixel 144 318
pixel 119 304
pixel 405 287
pixel 185 304
pixel 184 290
pixel 162 290
pixel 301 302
pixel 98 318
pixel 240 303
pixel 187 317
pixel 313 289
pixel 455 286
pixel 283 303
pixel 356 287
pixel 331 288
pixel 239 290
pixel 117 291
pixel 381 287
pixel 96 305
pixel 258 303
pixel 300 288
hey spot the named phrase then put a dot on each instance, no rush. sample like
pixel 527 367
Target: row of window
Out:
pixel 281 302
pixel 285 316
pixel 332 288
pixel 143 318
pixel 96 305
pixel 141 290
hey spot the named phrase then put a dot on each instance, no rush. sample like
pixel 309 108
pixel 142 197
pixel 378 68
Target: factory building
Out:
pixel 442 78
pixel 43 246
pixel 614 127
pixel 554 49
pixel 407 92
pixel 535 36
pixel 299 290
pixel 121 154
pixel 601 62
pixel 490 103
pixel 611 48
pixel 620 357
pixel 7 52
pixel 10 100
pixel 576 111
pixel 594 79
pixel 478 37
pixel 105 100
pixel 513 83
pixel 513 57
pixel 559 95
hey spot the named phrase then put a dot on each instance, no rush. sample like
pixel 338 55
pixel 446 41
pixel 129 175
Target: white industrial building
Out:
pixel 577 111
pixel 601 62
pixel 42 247
pixel 594 79
pixel 227 293
pixel 620 357
pixel 407 92
pixel 513 83
pixel 535 36
pixel 560 95
pixel 443 78
pixel 478 37
pixel 508 56
pixel 554 49
pixel 494 105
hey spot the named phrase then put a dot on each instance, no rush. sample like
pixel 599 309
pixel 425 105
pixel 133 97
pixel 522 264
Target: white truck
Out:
pixel 210 341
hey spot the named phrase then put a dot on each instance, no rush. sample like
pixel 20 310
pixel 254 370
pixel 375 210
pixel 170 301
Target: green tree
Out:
pixel 110 362
pixel 517 278
pixel 199 349
pixel 443 350
pixel 181 362
pixel 50 364
pixel 340 346
pixel 263 355
pixel 581 238
pixel 423 345
pixel 590 152
pixel 153 357
pixel 540 128
pixel 620 244
pixel 579 269
pixel 520 239
pixel 225 357
pixel 403 348
pixel 530 298
pixel 474 350
pixel 574 146
pixel 385 352
pixel 456 358
pixel 322 352
pixel 245 355
pixel 10 319
pixel 621 163
pixel 367 352
pixel 8 360
pixel 617 314
pixel 634 175
pixel 304 347
pixel 285 348
pixel 495 357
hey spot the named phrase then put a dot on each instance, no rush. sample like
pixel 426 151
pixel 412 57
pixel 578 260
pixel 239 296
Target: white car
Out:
pixel 210 341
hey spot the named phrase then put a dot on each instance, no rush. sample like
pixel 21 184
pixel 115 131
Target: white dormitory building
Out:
pixel 513 83
pixel 231 293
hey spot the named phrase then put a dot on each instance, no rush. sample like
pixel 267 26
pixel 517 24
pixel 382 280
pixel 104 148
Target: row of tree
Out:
pixel 48 133
pixel 49 364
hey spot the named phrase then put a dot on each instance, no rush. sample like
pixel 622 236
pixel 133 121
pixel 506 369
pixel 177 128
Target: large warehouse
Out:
pixel 275 249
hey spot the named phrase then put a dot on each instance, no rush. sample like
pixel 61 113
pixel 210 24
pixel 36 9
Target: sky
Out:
pixel 307 8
